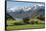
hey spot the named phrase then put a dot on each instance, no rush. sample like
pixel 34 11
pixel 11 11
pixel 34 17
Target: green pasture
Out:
pixel 12 26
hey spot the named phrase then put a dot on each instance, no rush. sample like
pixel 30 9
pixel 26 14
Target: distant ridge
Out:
pixel 22 14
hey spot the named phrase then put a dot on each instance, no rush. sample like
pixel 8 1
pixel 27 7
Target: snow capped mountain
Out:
pixel 26 11
pixel 27 8
pixel 19 9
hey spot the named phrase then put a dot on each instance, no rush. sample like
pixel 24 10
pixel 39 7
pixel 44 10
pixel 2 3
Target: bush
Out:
pixel 32 22
pixel 19 23
pixel 36 21
pixel 41 18
pixel 26 20
pixel 41 22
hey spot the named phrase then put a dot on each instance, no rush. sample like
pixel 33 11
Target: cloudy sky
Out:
pixel 13 5
pixel 30 0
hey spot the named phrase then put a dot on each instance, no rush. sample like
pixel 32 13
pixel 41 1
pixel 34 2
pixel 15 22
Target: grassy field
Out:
pixel 28 26
pixel 11 26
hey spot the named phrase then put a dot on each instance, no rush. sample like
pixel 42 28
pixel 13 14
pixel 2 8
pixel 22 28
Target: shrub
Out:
pixel 26 20
pixel 36 21
pixel 41 22
pixel 41 18
pixel 32 22
pixel 19 23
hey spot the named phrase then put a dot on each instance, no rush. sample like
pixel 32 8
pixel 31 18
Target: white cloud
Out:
pixel 32 0
pixel 39 4
pixel 11 9
pixel 23 0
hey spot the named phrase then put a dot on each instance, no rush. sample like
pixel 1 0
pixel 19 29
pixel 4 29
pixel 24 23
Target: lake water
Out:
pixel 19 19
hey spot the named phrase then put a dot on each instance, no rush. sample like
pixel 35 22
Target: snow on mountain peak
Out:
pixel 19 8
pixel 27 8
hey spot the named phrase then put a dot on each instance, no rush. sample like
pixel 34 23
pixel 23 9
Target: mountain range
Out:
pixel 23 12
